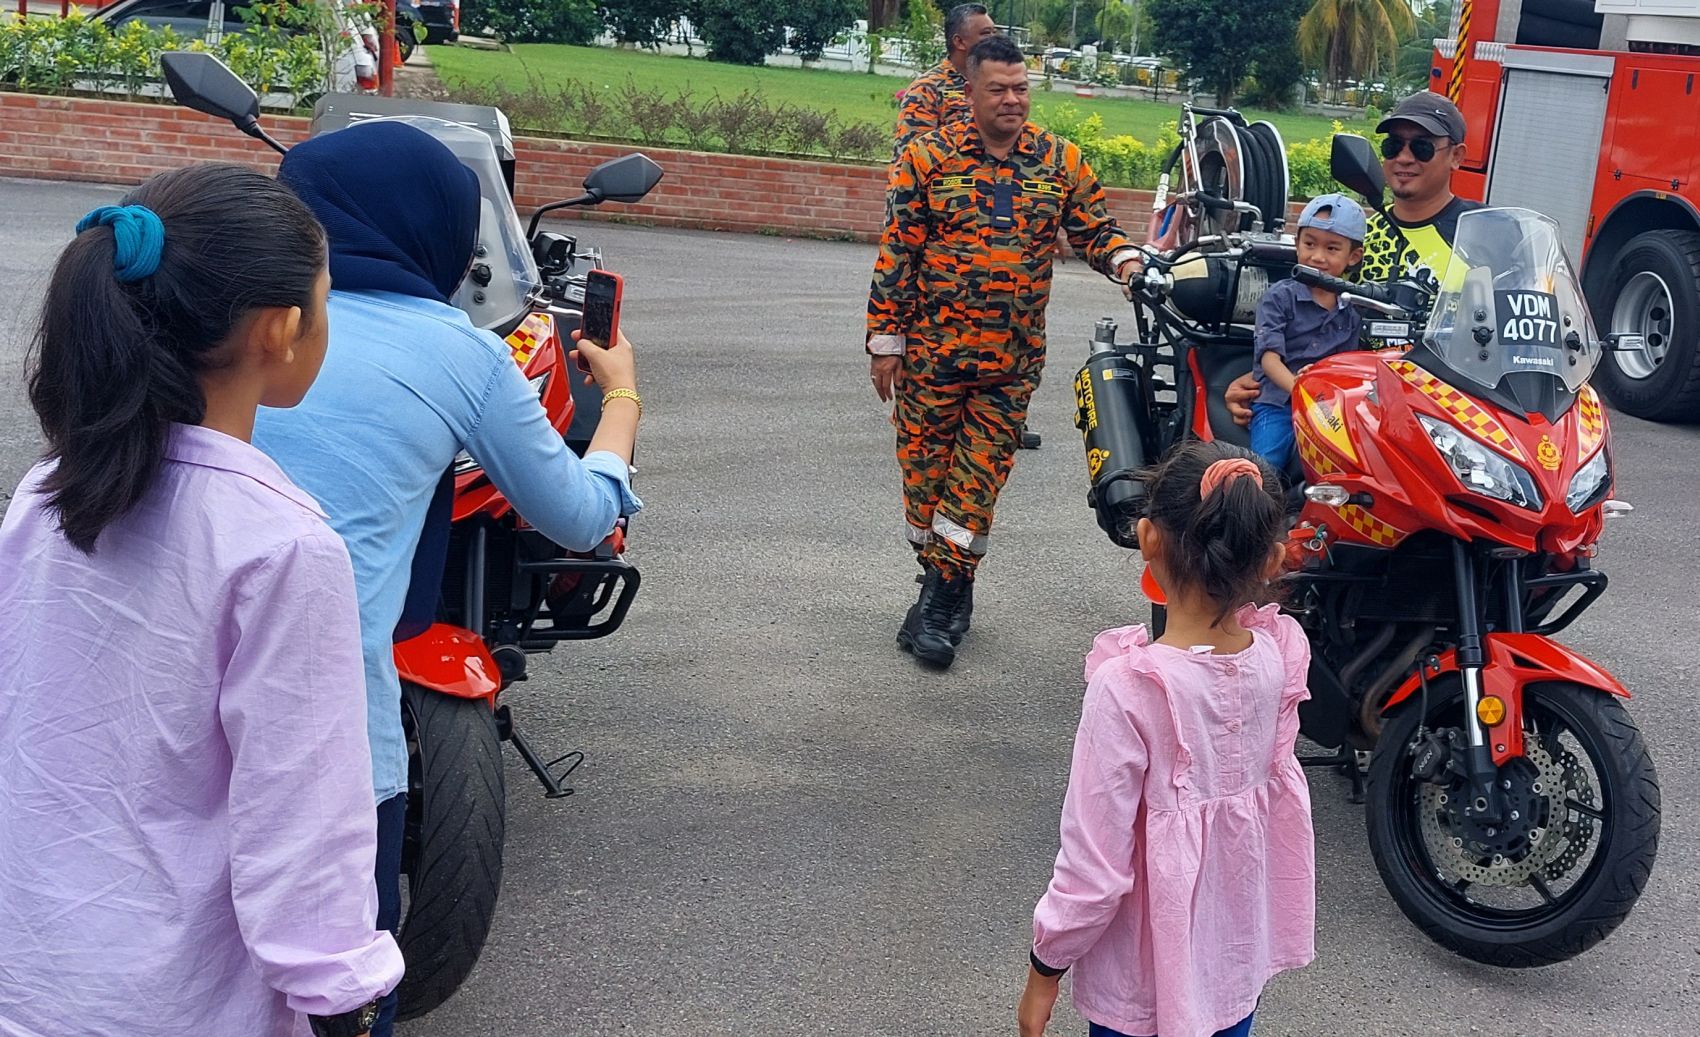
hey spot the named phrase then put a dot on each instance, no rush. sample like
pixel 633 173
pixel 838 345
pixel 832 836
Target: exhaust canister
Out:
pixel 1113 398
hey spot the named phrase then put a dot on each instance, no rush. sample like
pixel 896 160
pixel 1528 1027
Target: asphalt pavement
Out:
pixel 783 826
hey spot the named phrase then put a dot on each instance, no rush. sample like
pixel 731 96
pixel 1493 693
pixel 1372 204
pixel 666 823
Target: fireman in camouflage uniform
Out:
pixel 956 319
pixel 939 97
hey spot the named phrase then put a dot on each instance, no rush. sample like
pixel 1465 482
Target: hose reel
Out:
pixel 1231 168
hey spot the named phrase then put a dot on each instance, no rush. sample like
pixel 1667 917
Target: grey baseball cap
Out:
pixel 1345 217
pixel 1429 110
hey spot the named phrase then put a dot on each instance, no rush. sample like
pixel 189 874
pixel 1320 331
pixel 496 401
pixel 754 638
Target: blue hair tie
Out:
pixel 139 234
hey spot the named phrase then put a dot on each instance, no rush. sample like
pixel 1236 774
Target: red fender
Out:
pixel 1514 661
pixel 450 660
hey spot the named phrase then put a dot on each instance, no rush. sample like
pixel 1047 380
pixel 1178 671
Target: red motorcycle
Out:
pixel 1449 504
pixel 488 590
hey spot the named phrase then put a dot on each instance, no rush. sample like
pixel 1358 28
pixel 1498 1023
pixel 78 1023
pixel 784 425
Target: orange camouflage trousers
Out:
pixel 956 444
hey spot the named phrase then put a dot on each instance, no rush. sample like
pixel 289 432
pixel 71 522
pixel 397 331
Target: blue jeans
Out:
pixel 392 826
pixel 1272 433
pixel 1239 1029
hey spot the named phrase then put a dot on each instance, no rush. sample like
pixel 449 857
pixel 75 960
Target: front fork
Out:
pixel 1487 799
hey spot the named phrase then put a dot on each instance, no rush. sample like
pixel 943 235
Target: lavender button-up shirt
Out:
pixel 186 815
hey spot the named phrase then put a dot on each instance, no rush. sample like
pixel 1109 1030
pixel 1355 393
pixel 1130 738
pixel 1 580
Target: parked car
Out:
pixel 356 70
pixel 441 19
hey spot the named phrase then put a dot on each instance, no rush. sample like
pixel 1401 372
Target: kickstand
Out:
pixel 1349 762
pixel 545 772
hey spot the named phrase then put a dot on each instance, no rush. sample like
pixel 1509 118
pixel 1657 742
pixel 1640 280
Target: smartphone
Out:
pixel 601 322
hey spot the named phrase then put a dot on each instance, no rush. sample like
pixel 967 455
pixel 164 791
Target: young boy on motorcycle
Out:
pixel 1299 324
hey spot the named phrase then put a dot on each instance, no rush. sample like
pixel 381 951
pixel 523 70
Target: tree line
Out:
pixel 1234 48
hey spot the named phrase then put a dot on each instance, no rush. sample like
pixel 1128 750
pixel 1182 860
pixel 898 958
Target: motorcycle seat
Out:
pixel 1219 366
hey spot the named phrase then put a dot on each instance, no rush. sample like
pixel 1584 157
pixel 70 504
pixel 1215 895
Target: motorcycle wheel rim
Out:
pixel 1544 718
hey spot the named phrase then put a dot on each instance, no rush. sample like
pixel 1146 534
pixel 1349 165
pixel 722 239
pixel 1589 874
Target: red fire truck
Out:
pixel 1589 111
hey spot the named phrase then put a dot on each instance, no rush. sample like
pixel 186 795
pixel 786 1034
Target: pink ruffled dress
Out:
pixel 1187 873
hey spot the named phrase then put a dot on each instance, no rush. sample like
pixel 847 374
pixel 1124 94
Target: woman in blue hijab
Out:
pixel 408 382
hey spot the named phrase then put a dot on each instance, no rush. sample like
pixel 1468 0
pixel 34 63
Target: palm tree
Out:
pixel 1354 39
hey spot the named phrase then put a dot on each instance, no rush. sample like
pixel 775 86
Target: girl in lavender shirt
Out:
pixel 1187 875
pixel 186 835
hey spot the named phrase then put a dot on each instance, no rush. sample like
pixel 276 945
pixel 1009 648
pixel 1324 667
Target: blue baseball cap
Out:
pixel 1345 217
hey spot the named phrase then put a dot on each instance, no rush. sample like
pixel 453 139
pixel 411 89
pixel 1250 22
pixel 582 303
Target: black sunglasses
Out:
pixel 1422 148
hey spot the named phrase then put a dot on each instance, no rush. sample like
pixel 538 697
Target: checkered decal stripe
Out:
pixel 1591 420
pixel 1374 530
pixel 523 340
pixel 1465 411
pixel 1313 456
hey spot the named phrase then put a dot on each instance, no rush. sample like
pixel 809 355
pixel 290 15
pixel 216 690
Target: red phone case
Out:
pixel 605 337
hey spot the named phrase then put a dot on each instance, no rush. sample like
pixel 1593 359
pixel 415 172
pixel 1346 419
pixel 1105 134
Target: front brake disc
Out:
pixel 1546 845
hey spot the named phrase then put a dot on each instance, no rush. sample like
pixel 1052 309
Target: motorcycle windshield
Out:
pixel 1510 303
pixel 502 245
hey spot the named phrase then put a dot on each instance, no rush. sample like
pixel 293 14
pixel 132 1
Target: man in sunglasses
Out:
pixel 1424 145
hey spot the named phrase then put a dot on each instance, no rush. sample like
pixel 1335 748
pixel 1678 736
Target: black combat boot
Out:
pixel 926 629
pixel 1029 440
pixel 964 611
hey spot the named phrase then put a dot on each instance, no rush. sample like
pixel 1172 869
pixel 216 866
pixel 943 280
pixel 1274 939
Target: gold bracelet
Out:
pixel 623 394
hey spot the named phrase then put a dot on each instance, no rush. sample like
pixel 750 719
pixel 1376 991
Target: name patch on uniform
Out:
pixel 1045 187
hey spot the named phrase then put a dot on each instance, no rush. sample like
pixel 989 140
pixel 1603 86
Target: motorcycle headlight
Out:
pixel 464 462
pixel 1589 486
pixel 1479 468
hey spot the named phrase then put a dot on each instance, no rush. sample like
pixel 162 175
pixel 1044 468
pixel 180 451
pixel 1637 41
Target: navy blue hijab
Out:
pixel 400 211
pixel 401 215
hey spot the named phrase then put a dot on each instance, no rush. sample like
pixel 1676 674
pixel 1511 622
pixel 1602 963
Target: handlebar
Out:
pixel 1309 275
pixel 1377 296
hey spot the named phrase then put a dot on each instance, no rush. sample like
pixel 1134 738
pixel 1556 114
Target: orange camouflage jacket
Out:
pixel 964 268
pixel 934 100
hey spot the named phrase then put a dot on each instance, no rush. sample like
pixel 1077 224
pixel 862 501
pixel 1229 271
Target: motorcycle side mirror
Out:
pixel 624 179
pixel 203 83
pixel 1352 162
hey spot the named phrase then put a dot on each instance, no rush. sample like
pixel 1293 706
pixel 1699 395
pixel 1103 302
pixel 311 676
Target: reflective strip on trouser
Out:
pixel 918 536
pixel 956 445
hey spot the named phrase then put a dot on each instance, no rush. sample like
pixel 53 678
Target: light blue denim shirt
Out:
pixel 407 384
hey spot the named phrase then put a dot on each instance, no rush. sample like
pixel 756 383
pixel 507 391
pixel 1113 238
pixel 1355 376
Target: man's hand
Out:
pixel 885 370
pixel 1125 273
pixel 1238 397
pixel 1037 1001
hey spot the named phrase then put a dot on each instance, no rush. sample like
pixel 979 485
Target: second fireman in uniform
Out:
pixel 956 319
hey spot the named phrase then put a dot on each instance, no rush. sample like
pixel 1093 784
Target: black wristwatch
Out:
pixel 348 1024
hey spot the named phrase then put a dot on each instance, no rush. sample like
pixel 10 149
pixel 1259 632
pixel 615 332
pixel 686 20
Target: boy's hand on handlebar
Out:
pixel 1239 396
pixel 609 368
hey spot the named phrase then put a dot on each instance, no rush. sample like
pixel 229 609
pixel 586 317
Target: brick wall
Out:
pixel 116 142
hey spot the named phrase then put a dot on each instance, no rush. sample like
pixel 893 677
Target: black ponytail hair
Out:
pixel 1218 543
pixel 115 363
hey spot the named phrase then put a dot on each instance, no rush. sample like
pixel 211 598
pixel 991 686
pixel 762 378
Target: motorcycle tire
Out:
pixel 1664 268
pixel 453 860
pixel 406 42
pixel 1624 844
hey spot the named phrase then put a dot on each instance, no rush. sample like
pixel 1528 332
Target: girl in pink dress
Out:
pixel 1187 874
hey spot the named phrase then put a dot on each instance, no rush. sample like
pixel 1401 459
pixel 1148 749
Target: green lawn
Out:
pixel 855 97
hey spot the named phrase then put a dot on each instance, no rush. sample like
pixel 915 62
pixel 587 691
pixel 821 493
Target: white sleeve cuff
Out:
pixel 886 345
pixel 1121 256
